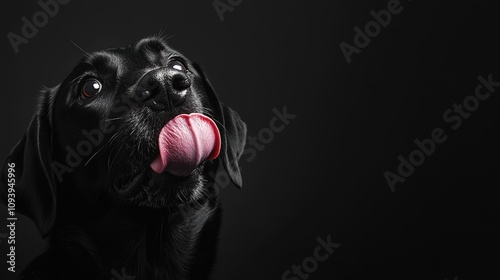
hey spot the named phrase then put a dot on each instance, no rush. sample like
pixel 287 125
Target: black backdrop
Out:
pixel 323 175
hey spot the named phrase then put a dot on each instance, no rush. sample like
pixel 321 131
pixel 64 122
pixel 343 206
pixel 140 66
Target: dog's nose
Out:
pixel 163 88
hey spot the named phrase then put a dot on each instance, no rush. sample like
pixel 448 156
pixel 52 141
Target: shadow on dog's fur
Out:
pixel 83 176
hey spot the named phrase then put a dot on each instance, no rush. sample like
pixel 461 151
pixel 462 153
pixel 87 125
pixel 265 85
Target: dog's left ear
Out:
pixel 233 132
pixel 28 170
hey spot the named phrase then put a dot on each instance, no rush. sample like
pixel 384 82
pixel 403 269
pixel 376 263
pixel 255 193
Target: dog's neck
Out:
pixel 145 243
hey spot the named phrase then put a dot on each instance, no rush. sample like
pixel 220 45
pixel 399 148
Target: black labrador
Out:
pixel 117 167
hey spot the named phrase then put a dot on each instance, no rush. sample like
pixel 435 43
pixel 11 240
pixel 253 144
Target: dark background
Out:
pixel 323 174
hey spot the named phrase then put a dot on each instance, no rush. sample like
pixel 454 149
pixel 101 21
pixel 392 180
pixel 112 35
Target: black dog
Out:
pixel 117 167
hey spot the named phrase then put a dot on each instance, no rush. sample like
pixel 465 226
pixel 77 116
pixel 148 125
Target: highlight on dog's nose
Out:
pixel 164 87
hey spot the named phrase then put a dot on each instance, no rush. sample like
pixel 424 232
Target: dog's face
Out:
pixel 128 95
pixel 97 136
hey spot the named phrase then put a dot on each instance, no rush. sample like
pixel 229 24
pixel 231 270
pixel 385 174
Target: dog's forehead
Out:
pixel 145 53
pixel 151 48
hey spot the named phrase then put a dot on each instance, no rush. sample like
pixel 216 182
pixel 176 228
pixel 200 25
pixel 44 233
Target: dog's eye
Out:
pixel 177 65
pixel 91 87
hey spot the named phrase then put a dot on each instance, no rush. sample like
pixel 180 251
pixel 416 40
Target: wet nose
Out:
pixel 163 88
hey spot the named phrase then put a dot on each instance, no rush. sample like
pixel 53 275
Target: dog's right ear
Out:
pixel 30 163
pixel 233 132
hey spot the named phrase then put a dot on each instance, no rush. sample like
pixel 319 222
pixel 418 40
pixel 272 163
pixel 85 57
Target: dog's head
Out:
pixel 138 125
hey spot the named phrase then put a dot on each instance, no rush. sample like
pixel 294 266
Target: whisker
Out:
pixel 220 124
pixel 106 180
pixel 165 38
pixel 103 146
pixel 203 191
pixel 114 158
pixel 97 196
pixel 113 119
pixel 209 112
pixel 74 80
pixel 110 164
pixel 81 49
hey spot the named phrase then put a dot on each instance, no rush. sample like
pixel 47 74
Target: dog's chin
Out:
pixel 147 188
pixel 130 184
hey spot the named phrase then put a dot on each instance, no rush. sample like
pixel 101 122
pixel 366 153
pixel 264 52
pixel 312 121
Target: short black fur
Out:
pixel 100 223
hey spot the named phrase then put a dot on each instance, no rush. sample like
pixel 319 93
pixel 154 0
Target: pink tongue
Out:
pixel 185 142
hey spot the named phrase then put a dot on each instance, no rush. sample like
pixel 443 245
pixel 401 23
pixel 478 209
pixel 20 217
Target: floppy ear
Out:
pixel 35 193
pixel 233 132
pixel 235 138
